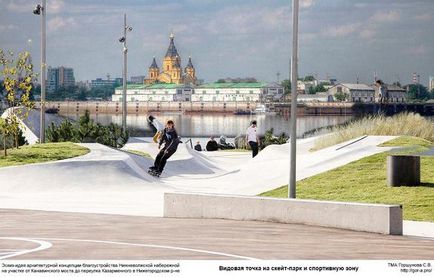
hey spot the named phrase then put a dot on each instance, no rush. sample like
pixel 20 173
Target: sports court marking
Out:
pixel 45 245
pixel 9 253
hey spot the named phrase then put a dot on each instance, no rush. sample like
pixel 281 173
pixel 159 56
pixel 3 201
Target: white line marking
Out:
pixel 42 246
pixel 153 246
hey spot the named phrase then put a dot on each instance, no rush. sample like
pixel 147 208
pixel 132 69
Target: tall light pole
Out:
pixel 42 11
pixel 124 77
pixel 294 75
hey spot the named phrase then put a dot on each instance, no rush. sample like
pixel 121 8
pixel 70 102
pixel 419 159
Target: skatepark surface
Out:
pixel 114 182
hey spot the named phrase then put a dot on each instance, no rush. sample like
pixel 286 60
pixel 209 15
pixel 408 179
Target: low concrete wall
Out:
pixel 383 219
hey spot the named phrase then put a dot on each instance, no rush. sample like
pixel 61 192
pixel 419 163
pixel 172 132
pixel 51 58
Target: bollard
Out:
pixel 403 171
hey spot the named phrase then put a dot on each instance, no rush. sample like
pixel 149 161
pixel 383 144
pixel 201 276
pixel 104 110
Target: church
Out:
pixel 171 71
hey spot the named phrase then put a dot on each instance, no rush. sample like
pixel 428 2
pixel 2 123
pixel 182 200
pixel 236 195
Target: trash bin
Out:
pixel 403 170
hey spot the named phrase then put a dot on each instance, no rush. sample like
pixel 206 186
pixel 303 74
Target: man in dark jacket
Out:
pixel 170 139
pixel 212 145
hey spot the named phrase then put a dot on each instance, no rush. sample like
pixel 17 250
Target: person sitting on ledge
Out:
pixel 212 145
pixel 198 147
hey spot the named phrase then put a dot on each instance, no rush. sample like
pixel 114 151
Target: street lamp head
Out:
pixel 122 39
pixel 37 10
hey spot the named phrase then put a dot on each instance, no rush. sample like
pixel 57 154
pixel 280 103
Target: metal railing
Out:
pixel 191 143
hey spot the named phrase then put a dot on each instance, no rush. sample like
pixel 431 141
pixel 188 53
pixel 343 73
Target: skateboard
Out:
pixel 154 173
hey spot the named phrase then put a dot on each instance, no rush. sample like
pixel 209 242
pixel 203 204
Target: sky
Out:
pixel 344 39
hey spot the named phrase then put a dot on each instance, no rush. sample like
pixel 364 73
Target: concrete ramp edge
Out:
pixel 374 218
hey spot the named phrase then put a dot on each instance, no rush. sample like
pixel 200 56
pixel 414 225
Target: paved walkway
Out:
pixel 95 236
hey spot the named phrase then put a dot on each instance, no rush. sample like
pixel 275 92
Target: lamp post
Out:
pixel 294 75
pixel 42 11
pixel 124 77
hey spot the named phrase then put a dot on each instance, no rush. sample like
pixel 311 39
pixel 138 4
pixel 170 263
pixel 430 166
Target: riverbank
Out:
pixel 280 108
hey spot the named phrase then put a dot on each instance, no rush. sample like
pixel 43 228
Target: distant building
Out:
pixel 99 82
pixel 237 92
pixel 317 97
pixel 137 79
pixel 155 93
pixel 304 86
pixel 211 92
pixel 171 71
pixel 431 83
pixel 368 93
pixel 395 93
pixel 84 84
pixel 59 77
pixel 354 92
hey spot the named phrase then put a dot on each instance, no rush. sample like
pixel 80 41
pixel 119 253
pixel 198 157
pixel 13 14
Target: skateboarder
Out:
pixel 170 139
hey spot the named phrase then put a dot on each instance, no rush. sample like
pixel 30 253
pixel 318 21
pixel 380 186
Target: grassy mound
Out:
pixel 42 153
pixel 404 124
pixel 365 181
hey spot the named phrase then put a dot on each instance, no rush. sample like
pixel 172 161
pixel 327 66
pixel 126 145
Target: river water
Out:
pixel 207 125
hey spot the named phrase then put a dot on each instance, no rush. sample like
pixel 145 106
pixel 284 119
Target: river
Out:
pixel 207 125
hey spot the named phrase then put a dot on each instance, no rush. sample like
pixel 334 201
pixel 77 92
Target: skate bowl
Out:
pixel 374 218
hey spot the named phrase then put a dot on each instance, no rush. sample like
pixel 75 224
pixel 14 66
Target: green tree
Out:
pixel 340 96
pixel 286 84
pixel 309 78
pixel 18 77
pixel 418 92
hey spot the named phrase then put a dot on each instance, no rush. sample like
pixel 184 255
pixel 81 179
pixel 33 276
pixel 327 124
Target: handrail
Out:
pixel 191 143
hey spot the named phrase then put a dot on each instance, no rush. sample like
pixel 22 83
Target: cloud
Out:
pixel 58 23
pixel 368 33
pixel 245 20
pixel 25 6
pixel 342 30
pixel 9 27
pixel 306 3
pixel 388 16
pixel 55 6
pixel 424 17
pixel 417 50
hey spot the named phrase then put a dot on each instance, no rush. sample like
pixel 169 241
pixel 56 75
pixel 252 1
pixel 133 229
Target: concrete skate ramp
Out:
pixel 104 181
pixel 185 161
pixel 114 182
pixel 32 130
pixel 270 169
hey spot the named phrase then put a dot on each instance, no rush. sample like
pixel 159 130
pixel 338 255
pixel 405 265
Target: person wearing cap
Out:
pixel 252 138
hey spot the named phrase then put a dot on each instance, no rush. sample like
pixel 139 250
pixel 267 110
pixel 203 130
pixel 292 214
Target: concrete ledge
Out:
pixel 383 219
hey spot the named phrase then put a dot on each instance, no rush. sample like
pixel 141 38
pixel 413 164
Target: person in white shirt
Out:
pixel 252 138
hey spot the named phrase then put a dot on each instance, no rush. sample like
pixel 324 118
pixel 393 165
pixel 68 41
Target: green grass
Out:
pixel 365 181
pixel 42 153
pixel 407 124
pixel 140 153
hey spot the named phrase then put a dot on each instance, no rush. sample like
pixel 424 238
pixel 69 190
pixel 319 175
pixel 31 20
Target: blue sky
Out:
pixel 231 38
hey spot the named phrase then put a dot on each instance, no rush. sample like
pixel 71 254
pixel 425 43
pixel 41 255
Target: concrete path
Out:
pixel 70 236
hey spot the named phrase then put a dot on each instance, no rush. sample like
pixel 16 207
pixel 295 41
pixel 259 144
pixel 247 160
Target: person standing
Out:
pixel 170 139
pixel 252 138
pixel 383 96
pixel 157 126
